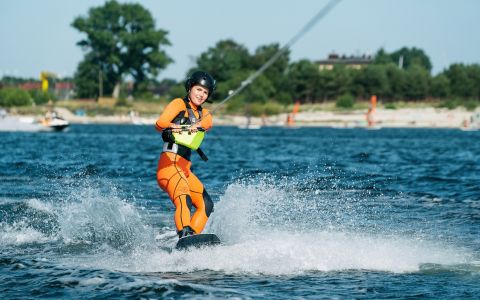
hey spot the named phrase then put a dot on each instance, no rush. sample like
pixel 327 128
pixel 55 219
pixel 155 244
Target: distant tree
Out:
pixel 417 83
pixel 408 56
pixel 121 40
pixel 396 82
pixel 14 97
pixel 334 83
pixel 357 88
pixel 440 87
pixel 409 81
pixel 327 86
pixel 87 78
pixel 14 81
pixel 274 73
pixel 223 60
pixel 260 90
pixel 228 62
pixel 303 79
pixel 374 81
pixel 40 97
pixel 461 85
pixel 411 57
pixel 382 57
pixel 473 72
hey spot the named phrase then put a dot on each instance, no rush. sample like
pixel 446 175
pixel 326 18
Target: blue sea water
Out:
pixel 302 213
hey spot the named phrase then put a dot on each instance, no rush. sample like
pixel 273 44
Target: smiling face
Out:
pixel 198 94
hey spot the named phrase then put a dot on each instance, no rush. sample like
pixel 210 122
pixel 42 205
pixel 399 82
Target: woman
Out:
pixel 185 116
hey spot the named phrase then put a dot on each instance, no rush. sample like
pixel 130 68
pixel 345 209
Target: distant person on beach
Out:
pixel 370 116
pixel 186 117
pixel 3 113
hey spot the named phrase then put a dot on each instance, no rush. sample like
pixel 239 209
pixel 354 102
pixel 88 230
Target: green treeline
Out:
pixel 14 96
pixel 121 45
pixel 286 81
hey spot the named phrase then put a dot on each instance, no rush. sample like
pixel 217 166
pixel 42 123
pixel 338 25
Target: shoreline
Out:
pixel 406 117
pixel 399 118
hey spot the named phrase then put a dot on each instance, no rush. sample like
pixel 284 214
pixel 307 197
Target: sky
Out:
pixel 37 35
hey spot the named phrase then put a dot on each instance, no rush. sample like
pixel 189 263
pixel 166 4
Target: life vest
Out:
pixel 184 142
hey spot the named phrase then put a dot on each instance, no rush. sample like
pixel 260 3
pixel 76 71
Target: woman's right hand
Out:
pixel 176 128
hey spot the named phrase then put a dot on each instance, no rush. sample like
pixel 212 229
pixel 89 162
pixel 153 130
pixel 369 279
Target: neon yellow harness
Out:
pixel 189 139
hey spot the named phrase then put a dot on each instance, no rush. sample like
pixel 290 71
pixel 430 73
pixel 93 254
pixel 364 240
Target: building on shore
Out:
pixel 354 62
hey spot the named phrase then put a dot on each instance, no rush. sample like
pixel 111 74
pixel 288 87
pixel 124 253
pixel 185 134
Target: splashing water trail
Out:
pixel 273 229
pixel 93 217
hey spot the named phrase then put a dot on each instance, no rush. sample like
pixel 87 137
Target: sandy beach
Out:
pixel 407 117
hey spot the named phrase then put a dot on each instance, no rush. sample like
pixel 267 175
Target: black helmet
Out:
pixel 202 78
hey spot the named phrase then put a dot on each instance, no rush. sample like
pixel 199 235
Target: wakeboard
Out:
pixel 197 241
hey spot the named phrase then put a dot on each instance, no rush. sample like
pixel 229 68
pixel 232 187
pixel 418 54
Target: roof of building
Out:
pixel 343 59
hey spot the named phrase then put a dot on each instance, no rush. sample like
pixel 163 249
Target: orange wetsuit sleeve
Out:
pixel 171 111
pixel 207 120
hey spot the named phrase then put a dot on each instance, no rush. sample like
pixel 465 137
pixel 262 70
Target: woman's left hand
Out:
pixel 193 128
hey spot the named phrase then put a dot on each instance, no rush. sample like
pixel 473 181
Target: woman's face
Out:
pixel 198 94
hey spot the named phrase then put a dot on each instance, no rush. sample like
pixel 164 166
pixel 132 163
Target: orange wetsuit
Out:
pixel 173 172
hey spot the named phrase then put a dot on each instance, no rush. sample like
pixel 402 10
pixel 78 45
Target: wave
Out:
pixel 85 215
pixel 96 218
pixel 19 234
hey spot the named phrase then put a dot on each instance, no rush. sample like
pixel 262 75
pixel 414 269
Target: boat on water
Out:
pixel 55 123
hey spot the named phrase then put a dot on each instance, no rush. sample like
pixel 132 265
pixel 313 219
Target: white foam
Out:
pixel 291 254
pixel 92 281
pixel 39 205
pixel 265 231
pixel 18 234
pixel 90 216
